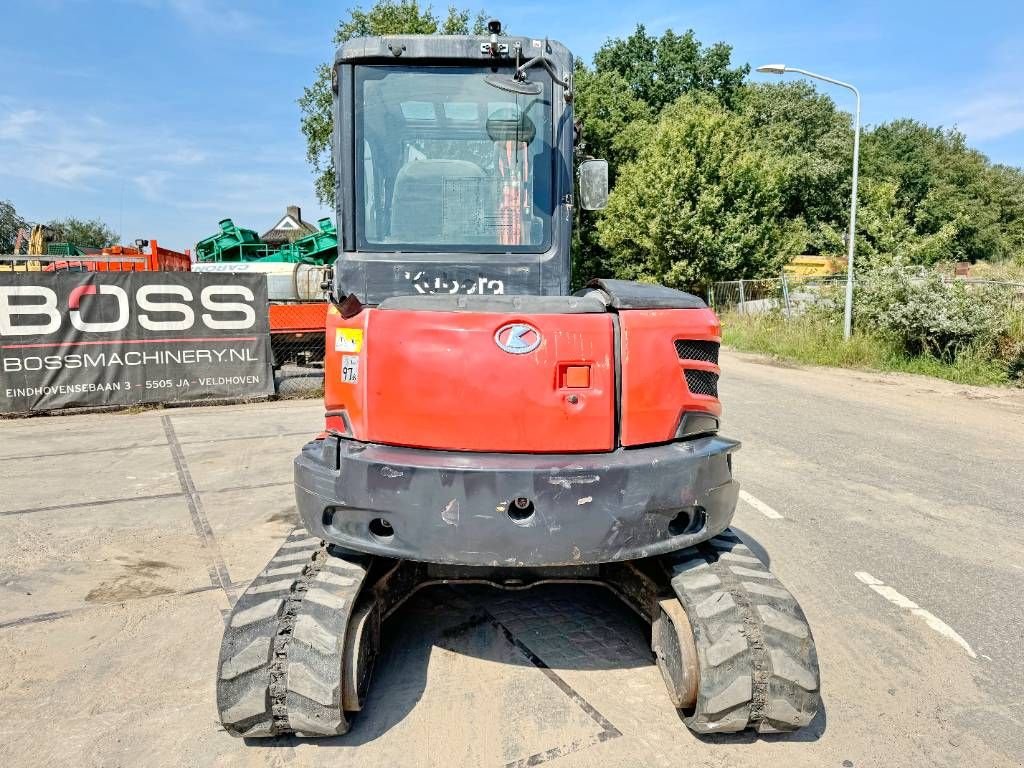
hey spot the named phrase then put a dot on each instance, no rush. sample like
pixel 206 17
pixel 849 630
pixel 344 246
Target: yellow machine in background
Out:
pixel 36 247
pixel 815 266
pixel 37 241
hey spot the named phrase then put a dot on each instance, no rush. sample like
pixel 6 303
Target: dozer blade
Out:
pixel 283 659
pixel 756 665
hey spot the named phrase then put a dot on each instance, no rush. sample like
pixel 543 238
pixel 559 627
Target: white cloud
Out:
pixel 211 15
pixel 63 170
pixel 45 146
pixel 183 156
pixel 15 124
pixel 37 146
pixel 991 116
pixel 152 185
pixel 147 179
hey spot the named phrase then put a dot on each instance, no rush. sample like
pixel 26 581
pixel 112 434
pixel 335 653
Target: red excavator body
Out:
pixel 541 431
pixel 486 424
pixel 438 379
pixel 478 411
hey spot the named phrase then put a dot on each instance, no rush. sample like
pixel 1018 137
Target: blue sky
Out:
pixel 163 116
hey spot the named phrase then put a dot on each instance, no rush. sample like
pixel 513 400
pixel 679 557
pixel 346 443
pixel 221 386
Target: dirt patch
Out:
pixel 149 568
pixel 289 515
pixel 140 579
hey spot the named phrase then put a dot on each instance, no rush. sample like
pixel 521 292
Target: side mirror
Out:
pixel 593 184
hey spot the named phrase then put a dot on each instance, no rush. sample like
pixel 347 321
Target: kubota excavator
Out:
pixel 483 424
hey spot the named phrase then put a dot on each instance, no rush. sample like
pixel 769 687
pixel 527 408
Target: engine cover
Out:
pixel 522 374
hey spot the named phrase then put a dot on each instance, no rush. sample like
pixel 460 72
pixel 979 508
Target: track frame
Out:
pixel 731 642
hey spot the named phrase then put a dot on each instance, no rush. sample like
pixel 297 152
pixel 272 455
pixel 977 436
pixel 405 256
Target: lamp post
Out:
pixel 781 69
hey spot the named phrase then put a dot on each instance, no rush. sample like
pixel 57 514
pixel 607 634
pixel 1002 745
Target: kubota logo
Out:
pixel 517 338
pixel 37 313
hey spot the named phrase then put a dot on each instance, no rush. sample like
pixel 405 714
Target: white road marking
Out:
pixel 902 601
pixel 760 506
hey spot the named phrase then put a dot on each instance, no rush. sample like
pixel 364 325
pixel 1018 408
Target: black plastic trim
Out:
pixel 453 507
pixel 696 424
pixel 626 294
pixel 701 382
pixel 697 349
pixel 342 413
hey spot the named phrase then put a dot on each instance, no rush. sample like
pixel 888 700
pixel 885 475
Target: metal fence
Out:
pixel 297 333
pixel 787 294
pixel 791 295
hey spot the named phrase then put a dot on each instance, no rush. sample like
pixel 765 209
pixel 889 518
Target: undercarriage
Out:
pixel 732 645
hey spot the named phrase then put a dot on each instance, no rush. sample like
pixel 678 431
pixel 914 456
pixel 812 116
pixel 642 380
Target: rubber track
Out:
pixel 280 668
pixel 758 666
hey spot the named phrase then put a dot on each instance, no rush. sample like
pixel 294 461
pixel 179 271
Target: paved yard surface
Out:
pixel 890 506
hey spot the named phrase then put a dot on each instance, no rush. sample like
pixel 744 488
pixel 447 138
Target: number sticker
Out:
pixel 350 368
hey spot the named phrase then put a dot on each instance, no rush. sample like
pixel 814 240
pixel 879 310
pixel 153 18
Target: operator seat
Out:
pixel 430 194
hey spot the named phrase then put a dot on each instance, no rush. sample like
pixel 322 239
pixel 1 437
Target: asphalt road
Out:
pixel 889 505
pixel 917 483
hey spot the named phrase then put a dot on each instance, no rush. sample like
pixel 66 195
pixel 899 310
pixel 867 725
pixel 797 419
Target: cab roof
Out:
pixel 462 48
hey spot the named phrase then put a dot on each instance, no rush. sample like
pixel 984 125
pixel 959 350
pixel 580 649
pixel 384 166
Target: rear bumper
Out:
pixel 454 507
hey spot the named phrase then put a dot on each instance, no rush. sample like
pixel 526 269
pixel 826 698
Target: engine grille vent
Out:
pixel 692 349
pixel 702 382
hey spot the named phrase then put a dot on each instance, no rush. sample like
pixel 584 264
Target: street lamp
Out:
pixel 781 69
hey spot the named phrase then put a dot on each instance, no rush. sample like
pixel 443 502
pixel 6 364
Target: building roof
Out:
pixel 289 228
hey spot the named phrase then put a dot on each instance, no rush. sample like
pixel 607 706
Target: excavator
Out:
pixel 486 424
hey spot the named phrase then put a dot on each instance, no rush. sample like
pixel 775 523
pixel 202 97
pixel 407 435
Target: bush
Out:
pixel 701 202
pixel 1012 351
pixel 817 339
pixel 927 315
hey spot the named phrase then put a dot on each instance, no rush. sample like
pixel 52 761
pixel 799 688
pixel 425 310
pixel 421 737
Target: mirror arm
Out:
pixel 544 61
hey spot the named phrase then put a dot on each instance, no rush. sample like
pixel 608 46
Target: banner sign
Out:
pixel 119 338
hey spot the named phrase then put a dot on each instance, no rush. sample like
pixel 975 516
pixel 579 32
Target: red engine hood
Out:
pixel 474 381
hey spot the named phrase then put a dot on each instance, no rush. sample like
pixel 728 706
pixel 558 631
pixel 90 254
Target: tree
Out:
pixel 658 70
pixel 10 223
pixel 85 234
pixel 885 235
pixel 941 182
pixel 614 122
pixel 701 202
pixel 385 17
pixel 612 118
pixel 803 128
pixel 619 100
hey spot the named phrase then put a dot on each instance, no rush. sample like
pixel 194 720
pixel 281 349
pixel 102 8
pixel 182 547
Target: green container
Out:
pixel 237 244
pixel 318 248
pixel 232 243
pixel 63 249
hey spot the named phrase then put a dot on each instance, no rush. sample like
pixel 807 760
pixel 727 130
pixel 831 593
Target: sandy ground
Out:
pixel 118 531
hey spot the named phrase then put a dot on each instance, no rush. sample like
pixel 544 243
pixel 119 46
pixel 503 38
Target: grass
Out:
pixel 816 342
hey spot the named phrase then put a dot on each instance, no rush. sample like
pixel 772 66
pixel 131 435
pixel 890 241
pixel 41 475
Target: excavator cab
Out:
pixel 484 424
pixel 454 164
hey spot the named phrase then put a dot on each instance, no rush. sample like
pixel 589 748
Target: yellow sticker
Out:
pixel 348 339
pixel 332 310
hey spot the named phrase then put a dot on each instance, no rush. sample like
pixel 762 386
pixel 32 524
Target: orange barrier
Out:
pixel 297 332
pixel 298 317
pixel 131 259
